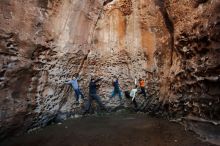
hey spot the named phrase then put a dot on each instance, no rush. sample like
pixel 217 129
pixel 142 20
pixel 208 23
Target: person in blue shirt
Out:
pixel 93 95
pixel 116 89
pixel 75 85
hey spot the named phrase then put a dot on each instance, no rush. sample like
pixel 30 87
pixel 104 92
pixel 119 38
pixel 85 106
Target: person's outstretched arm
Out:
pixel 67 82
pixel 98 80
pixel 78 76
pixel 133 93
pixel 135 81
pixel 119 86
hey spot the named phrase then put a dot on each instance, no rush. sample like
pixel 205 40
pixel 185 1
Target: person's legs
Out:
pixel 143 91
pixel 80 93
pixel 113 93
pixel 88 105
pixel 77 94
pixel 120 95
pixel 98 100
pixel 135 103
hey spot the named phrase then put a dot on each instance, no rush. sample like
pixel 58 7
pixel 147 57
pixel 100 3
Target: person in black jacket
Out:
pixel 93 95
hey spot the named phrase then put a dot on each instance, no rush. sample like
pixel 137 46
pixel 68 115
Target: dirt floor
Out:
pixel 109 130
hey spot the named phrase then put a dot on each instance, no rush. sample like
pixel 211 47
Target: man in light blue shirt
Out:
pixel 75 85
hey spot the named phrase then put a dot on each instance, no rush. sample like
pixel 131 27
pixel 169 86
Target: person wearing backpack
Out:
pixel 116 89
pixel 75 86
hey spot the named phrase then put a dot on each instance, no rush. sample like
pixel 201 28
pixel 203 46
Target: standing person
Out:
pixel 75 85
pixel 116 89
pixel 142 86
pixel 93 95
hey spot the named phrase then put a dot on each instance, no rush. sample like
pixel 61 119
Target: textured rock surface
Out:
pixel 194 73
pixel 173 45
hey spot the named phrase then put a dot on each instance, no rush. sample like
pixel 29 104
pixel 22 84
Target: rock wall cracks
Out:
pixel 173 45
pixel 194 74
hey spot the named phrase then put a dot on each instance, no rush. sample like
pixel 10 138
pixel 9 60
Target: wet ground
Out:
pixel 110 130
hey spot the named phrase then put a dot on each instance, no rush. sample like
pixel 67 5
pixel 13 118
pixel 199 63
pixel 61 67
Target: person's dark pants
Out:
pixel 135 103
pixel 143 91
pixel 78 93
pixel 115 92
pixel 97 99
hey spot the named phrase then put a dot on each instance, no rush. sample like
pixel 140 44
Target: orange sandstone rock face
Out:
pixel 173 45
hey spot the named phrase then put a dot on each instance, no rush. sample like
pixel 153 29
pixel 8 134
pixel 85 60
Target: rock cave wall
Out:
pixel 173 45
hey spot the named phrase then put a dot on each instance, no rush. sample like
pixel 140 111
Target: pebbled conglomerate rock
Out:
pixel 173 45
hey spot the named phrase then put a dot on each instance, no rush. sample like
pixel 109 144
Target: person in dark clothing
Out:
pixel 116 89
pixel 93 95
pixel 142 86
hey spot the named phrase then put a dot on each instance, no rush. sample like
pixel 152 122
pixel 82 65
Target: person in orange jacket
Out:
pixel 142 86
